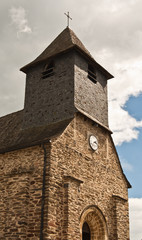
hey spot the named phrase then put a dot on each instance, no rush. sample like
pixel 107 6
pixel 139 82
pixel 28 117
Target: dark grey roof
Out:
pixel 65 41
pixel 14 137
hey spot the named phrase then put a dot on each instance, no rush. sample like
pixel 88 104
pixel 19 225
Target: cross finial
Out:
pixel 68 18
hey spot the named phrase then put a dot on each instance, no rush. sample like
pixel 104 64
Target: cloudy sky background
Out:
pixel 112 31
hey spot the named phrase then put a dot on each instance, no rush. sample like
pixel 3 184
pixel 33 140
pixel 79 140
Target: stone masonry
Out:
pixel 76 179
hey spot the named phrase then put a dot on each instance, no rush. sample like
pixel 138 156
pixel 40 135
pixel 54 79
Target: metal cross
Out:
pixel 68 18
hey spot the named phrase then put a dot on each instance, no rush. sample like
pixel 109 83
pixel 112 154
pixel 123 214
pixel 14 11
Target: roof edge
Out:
pixel 128 183
pixel 33 63
pixel 94 119
pixel 77 48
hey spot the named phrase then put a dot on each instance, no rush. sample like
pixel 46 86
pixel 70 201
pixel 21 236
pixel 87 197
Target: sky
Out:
pixel 112 31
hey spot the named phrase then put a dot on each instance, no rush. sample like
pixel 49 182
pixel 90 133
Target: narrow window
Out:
pixel 92 73
pixel 48 70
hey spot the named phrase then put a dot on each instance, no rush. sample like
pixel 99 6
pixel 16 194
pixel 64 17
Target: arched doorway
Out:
pixel 93 225
pixel 86 234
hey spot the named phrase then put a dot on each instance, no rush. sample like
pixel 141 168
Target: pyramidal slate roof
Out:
pixel 65 41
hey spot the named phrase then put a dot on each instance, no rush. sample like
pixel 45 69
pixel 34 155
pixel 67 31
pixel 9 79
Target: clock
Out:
pixel 93 142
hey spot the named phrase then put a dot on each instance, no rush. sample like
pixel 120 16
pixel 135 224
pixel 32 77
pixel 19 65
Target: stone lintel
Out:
pixel 71 178
pixel 119 198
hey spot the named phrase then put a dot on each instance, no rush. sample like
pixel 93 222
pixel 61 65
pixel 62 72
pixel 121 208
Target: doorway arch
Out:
pixel 93 224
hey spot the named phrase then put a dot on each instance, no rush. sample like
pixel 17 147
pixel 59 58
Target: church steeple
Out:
pixel 62 80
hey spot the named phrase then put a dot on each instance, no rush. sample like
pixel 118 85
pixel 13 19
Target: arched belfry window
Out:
pixel 48 70
pixel 86 234
pixel 92 73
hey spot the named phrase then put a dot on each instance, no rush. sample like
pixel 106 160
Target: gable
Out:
pixel 103 164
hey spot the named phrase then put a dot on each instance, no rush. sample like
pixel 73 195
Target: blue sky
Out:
pixel 112 31
pixel 131 153
pixel 134 106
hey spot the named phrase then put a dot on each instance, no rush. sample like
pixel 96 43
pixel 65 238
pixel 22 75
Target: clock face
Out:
pixel 93 142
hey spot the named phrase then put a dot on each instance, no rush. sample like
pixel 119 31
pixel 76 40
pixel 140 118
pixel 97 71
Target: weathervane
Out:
pixel 68 18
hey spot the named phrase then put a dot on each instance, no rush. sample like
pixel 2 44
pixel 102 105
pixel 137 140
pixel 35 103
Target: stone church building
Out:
pixel 60 175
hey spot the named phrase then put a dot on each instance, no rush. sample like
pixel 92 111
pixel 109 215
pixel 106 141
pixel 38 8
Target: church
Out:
pixel 60 174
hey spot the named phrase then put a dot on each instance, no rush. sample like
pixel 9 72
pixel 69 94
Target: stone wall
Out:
pixel 21 174
pixel 88 179
pixel 77 179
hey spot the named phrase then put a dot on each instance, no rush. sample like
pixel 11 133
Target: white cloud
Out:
pixel 125 127
pixel 135 205
pixel 18 17
pixel 125 165
pixel 127 83
pixel 128 80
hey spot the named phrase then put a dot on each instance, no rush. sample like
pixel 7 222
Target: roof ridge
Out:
pixel 70 32
pixel 66 40
pixel 77 42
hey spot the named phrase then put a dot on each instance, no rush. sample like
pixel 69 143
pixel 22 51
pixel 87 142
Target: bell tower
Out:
pixel 62 80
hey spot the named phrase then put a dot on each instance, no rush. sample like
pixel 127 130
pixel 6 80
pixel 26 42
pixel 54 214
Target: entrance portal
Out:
pixel 93 225
pixel 86 235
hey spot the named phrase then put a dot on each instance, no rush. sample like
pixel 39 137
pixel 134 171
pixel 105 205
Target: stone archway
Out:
pixel 96 223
